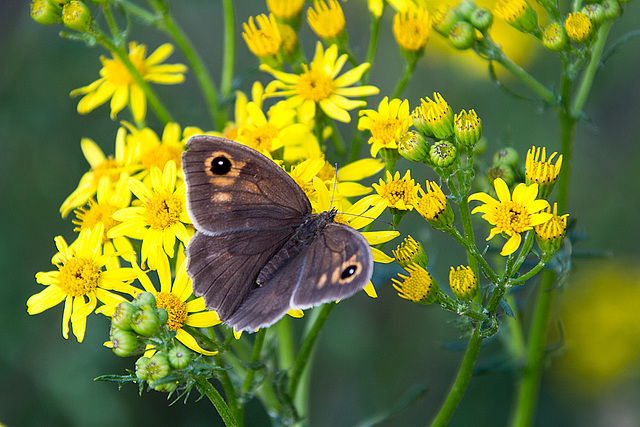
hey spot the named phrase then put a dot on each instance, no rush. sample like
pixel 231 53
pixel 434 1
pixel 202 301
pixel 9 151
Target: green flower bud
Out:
pixel 76 16
pixel 444 19
pixel 163 316
pixel 122 315
pixel 595 12
pixel 550 235
pixel 158 367
pixel 145 322
pixel 463 283
pixel 466 8
pixel 141 368
pixel 468 128
pixel 125 343
pixel 579 27
pixel 555 37
pixel 46 12
pixel 503 171
pixel 166 387
pixel 145 300
pixel 179 356
pixel 481 18
pixel 420 122
pixel 611 9
pixel 410 252
pixel 462 35
pixel 443 153
pixel 519 14
pixel 413 146
pixel 506 156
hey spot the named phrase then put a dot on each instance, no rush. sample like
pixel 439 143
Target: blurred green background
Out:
pixel 372 351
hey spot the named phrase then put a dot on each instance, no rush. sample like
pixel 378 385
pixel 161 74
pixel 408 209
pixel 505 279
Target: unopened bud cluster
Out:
pixel 462 24
pixel 74 14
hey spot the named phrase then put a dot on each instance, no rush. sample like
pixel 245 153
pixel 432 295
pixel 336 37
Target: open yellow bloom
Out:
pixel 387 124
pixel 319 84
pixel 81 281
pixel 512 215
pixel 177 298
pixel 397 193
pixel 327 19
pixel 160 217
pixel 411 28
pixel 117 84
pixel 265 41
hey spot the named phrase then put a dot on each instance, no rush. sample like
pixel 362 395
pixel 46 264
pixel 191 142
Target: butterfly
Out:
pixel 258 250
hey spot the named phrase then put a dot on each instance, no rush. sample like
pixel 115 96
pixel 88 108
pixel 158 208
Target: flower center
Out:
pixel 417 286
pixel 385 130
pixel 78 276
pixel 396 191
pixel 162 211
pixel 431 205
pixel 259 138
pixel 95 213
pixel 315 84
pixel 176 310
pixel 109 167
pixel 160 155
pixel 512 218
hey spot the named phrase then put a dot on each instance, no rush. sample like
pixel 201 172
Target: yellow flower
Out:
pixel 177 299
pixel 578 26
pixel 434 118
pixel 398 193
pixel 511 215
pixel 327 19
pixel 411 28
pixel 98 211
pixel 538 169
pixel 285 9
pixel 550 234
pixel 101 165
pixel 117 84
pixel 463 283
pixel 263 42
pixel 434 206
pixel 410 252
pixel 319 84
pixel 387 125
pixel 81 281
pixel 418 286
pixel 519 14
pixel 160 217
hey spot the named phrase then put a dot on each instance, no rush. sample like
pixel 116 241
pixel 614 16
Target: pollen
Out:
pixel 315 84
pixel 163 211
pixel 512 218
pixel 259 138
pixel 78 276
pixel 386 130
pixel 176 310
pixel 432 203
pixel 578 26
pixel 398 191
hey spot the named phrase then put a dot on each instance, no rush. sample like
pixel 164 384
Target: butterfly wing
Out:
pixel 245 207
pixel 337 264
pixel 233 187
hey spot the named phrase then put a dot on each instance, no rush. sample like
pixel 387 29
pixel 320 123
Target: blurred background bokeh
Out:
pixel 372 352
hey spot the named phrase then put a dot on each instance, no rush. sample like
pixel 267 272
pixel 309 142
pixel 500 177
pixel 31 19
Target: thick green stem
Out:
pixel 228 61
pixel 255 358
pixel 205 387
pixel 526 78
pixel 467 226
pixel 373 45
pixel 410 65
pixel 461 382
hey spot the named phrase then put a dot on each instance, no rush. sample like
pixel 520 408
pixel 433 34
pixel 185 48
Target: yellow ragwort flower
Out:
pixel 153 151
pixel 263 42
pixel 410 252
pixel 177 298
pixel 160 217
pixel 418 286
pixel 397 193
pixel 387 124
pixel 550 234
pixel 463 283
pixel 434 117
pixel 518 13
pixel 285 9
pixel 511 215
pixel 578 26
pixel 319 84
pixel 81 281
pixel 327 19
pixel 433 206
pixel 411 28
pixel 117 84
pixel 538 169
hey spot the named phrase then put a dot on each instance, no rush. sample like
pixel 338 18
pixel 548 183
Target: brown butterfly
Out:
pixel 258 250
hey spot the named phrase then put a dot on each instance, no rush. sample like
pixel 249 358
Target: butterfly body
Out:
pixel 259 250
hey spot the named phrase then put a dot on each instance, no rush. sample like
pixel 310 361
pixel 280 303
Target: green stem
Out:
pixel 473 250
pixel 154 102
pixel 307 347
pixel 208 390
pixel 255 358
pixel 589 74
pixel 462 380
pixel 527 393
pixel 229 388
pixel 228 61
pixel 201 73
pixel 410 65
pixel 286 350
pixel 111 22
pixel 373 45
pixel 467 227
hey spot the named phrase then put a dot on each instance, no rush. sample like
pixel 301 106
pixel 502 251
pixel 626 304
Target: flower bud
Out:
pixel 506 156
pixel 462 35
pixel 579 27
pixel 179 357
pixel 463 283
pixel 418 287
pixel 595 12
pixel 124 343
pixel 141 368
pixel 76 16
pixel 435 117
pixel 413 146
pixel 443 153
pixel 519 14
pixel 550 234
pixel 465 8
pixel 503 171
pixel 145 300
pixel 468 128
pixel 410 252
pixel 46 12
pixel 163 316
pixel 145 322
pixel 481 18
pixel 122 314
pixel 444 19
pixel 611 9
pixel 158 367
pixel 169 387
pixel 434 206
pixel 555 37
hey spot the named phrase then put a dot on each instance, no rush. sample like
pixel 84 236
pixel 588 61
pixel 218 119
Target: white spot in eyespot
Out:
pixel 322 281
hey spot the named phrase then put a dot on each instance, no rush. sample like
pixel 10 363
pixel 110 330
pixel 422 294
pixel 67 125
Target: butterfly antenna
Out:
pixel 368 217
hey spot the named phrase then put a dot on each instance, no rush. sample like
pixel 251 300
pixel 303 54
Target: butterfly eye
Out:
pixel 349 271
pixel 220 165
